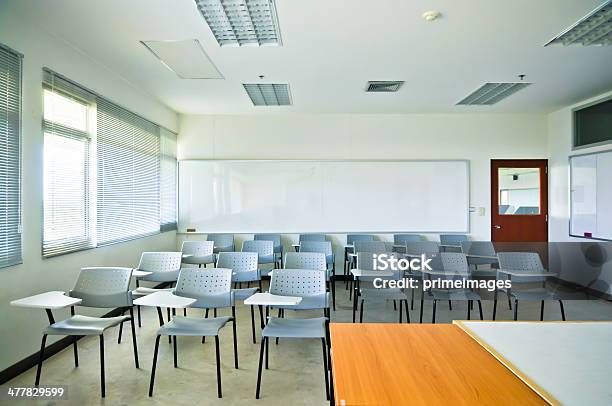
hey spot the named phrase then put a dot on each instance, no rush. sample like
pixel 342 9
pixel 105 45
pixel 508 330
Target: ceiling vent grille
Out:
pixel 491 93
pixel 268 94
pixel 241 22
pixel 593 29
pixel 380 86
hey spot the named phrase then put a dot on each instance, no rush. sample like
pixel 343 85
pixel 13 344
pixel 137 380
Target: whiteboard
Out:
pixel 263 196
pixel 591 196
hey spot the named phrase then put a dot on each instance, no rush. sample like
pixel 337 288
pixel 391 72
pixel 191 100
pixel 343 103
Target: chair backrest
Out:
pixel 223 242
pixel 298 282
pixel 263 248
pixel 103 287
pixel 351 238
pixel 521 261
pixel 421 247
pixel 164 266
pixel 306 260
pixel 312 237
pixel 453 239
pixel 365 262
pixel 455 262
pixel 376 247
pixel 210 286
pixel 275 238
pixel 405 238
pixel 324 247
pixel 238 261
pixel 484 248
pixel 197 248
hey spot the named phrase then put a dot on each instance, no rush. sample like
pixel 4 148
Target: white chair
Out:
pixel 198 253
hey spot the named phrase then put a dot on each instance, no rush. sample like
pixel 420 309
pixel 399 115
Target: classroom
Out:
pixel 280 202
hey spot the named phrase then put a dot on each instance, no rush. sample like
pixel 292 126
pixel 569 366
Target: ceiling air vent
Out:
pixel 491 93
pixel 378 86
pixel 268 94
pixel 593 29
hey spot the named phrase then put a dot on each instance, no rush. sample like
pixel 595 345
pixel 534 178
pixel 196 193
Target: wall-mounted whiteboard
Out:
pixel 591 196
pixel 261 196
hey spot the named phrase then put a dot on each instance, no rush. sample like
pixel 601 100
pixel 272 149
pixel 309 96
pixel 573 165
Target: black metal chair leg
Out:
pixel 174 352
pixel 102 378
pixel 267 351
pixel 562 310
pixel 421 310
pixel 219 366
pixel 134 344
pixel 469 308
pixel 480 309
pixel 361 311
pixel 433 314
pixel 152 381
pixel 41 357
pixel 253 324
pixel 509 303
pixel 450 305
pixel 139 320
pixel 76 351
pixel 120 332
pixel 494 309
pixel 325 368
pixel 261 317
pixel 515 309
pixel 235 337
pixel 542 310
pixel 412 299
pixel 185 312
pixel 394 305
pixel 407 312
pixel 261 355
pixel 333 292
pixel 400 312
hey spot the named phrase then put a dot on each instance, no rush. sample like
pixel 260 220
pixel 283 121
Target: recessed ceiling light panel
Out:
pixel 593 29
pixel 491 93
pixel 241 22
pixel 383 86
pixel 268 94
pixel 185 58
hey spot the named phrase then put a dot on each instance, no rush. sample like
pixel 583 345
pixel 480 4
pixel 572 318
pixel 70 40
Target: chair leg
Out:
pixel 185 312
pixel 407 312
pixel 412 299
pixel 76 351
pixel 494 309
pixel 421 310
pixel 562 310
pixel 261 355
pixel 400 312
pixel 261 317
pixel 134 344
pixel 152 381
pixel 469 309
pixel 219 365
pixel 394 305
pixel 509 303
pixel 450 305
pixel 515 309
pixel 41 357
pixel 333 292
pixel 253 324
pixel 361 311
pixel 174 352
pixel 102 380
pixel 205 316
pixel 542 310
pixel 325 369
pixel 120 332
pixel 267 351
pixel 480 309
pixel 235 337
pixel 433 314
pixel 139 320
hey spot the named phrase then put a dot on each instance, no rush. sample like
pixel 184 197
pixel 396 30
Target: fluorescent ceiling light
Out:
pixel 185 58
pixel 242 22
pixel 491 93
pixel 593 29
pixel 268 94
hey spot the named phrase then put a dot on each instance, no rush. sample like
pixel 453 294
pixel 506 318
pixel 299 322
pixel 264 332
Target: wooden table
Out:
pixel 398 364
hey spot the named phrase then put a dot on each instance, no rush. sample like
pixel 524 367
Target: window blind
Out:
pixel 67 224
pixel 10 157
pixel 128 173
pixel 168 168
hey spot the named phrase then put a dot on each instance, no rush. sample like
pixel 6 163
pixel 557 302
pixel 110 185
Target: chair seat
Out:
pixel 242 294
pixel 455 294
pixel 197 260
pixel 84 325
pixel 191 326
pixel 534 294
pixel 295 328
pixel 142 291
pixel 386 294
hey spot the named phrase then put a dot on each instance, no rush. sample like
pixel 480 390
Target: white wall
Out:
pixel 477 137
pixel 22 328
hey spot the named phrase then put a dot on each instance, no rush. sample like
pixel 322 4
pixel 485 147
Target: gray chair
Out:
pixel 200 252
pixel 99 288
pixel 223 242
pixel 264 250
pixel 372 247
pixel 312 237
pixel 314 261
pixel 350 241
pixel 452 242
pixel 451 266
pixel 522 286
pixel 278 245
pixel 212 289
pixel 245 269
pixel 480 253
pixel 402 239
pixel 324 247
pixel 365 261
pixel 302 283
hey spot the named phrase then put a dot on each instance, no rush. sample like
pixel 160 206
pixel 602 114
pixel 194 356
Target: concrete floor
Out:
pixel 295 376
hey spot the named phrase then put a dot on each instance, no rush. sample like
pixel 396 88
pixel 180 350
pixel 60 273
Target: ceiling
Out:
pixel 332 47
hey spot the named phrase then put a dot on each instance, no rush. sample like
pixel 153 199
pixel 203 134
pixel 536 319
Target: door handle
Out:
pixel 496 226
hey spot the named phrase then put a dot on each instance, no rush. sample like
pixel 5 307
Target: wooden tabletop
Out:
pixel 426 364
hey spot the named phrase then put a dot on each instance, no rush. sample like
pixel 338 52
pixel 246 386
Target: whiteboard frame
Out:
pixel 468 194
pixel 571 200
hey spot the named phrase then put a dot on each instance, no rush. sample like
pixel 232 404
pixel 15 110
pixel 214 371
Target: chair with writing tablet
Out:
pixel 278 246
pixel 451 267
pixel 350 248
pixel 198 253
pixel 373 247
pixel 368 292
pixel 324 247
pixel 452 242
pixel 264 250
pixel 223 242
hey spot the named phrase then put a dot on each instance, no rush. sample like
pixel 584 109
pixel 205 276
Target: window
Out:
pixel 66 175
pixel 110 175
pixel 10 157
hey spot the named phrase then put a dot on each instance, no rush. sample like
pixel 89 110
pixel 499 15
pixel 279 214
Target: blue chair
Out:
pixel 402 239
pixel 278 245
pixel 200 252
pixel 223 242
pixel 312 237
pixel 452 242
pixel 350 241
